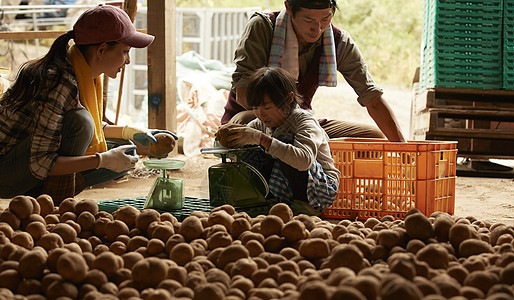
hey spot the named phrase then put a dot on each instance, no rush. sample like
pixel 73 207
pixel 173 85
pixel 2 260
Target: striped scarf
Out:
pixel 279 49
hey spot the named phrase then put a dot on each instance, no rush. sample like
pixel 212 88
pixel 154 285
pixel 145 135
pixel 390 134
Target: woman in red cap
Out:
pixel 302 40
pixel 52 139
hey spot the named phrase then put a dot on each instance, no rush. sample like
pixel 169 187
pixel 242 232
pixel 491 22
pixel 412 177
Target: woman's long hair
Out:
pixel 32 74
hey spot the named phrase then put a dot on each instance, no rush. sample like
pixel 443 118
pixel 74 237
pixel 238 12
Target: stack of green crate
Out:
pixel 462 44
pixel 508 44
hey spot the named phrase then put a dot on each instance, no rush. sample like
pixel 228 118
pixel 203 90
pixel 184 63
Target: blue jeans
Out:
pixel 77 132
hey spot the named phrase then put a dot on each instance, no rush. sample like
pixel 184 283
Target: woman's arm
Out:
pixel 113 131
pixel 71 164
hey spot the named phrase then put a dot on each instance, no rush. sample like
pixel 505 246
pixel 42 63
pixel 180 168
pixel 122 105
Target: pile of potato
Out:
pixel 74 251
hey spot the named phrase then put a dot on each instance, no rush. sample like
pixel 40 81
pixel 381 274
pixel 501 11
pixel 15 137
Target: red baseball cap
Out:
pixel 107 23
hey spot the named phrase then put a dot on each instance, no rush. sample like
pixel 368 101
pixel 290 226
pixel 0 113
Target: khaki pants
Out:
pixel 334 128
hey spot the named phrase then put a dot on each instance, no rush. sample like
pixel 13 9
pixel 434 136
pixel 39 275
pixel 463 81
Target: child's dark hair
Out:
pixel 295 5
pixel 277 83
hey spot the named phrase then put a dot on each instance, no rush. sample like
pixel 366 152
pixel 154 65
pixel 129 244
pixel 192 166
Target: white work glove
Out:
pixel 143 136
pixel 242 136
pixel 117 159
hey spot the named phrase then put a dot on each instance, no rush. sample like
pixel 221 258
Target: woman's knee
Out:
pixel 78 123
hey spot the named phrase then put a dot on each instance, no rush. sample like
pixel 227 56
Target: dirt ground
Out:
pixel 483 198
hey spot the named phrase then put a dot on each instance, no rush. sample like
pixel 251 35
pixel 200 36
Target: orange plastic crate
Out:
pixel 380 178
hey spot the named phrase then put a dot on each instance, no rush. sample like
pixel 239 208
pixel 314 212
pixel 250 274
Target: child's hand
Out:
pixel 241 136
pixel 224 131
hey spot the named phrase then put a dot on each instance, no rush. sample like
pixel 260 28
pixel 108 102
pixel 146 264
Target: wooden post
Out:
pixel 162 89
pixel 130 7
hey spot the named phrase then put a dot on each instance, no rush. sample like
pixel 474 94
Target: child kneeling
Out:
pixel 297 163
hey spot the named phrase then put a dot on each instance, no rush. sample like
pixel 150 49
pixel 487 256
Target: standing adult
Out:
pixel 302 40
pixel 52 138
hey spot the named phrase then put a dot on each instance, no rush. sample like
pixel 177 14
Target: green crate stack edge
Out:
pixel 462 44
pixel 508 44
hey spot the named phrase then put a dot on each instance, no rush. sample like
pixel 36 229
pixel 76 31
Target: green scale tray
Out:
pixel 190 204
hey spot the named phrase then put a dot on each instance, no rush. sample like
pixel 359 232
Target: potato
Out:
pixel 108 262
pixel 50 241
pixel 282 210
pixel 96 278
pixel 32 288
pixel 115 228
pixel 10 279
pixel 435 255
pixel 127 293
pixel 66 232
pixel 231 254
pixel 348 256
pixel 164 145
pixel 418 226
pixel 191 228
pixel 86 220
pixel 137 242
pixel 314 248
pixel 146 217
pixel 46 204
pixel 69 215
pixel 130 259
pixel 67 205
pixel 239 226
pixel 254 248
pixel 6 229
pixel 155 246
pixel 10 218
pixel 482 280
pixel 118 248
pixel 162 230
pixel 219 239
pixel 127 214
pixel 72 267
pixel 388 238
pixel 274 243
pixel 149 272
pixel 248 235
pixel 471 247
pixel 51 219
pixel 182 253
pixel 293 231
pixel 458 233
pixel 320 232
pixel 23 239
pixel 21 206
pixel 32 264
pixel 270 225
pixel 62 289
pixel 400 288
pixel 99 228
pixel 83 205
pixel 498 231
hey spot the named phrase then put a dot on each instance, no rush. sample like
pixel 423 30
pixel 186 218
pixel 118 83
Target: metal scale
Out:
pixel 235 182
pixel 166 192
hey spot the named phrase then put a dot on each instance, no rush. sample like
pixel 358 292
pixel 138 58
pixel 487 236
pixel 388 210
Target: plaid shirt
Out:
pixel 41 119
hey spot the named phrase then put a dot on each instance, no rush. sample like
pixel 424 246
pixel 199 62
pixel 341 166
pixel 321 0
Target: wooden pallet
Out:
pixel 463 99
pixel 482 121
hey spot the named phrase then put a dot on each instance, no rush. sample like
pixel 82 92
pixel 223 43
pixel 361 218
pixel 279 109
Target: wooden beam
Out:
pixel 162 89
pixel 32 35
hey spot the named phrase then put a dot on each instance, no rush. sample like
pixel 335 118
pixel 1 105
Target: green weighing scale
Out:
pixel 235 182
pixel 166 192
